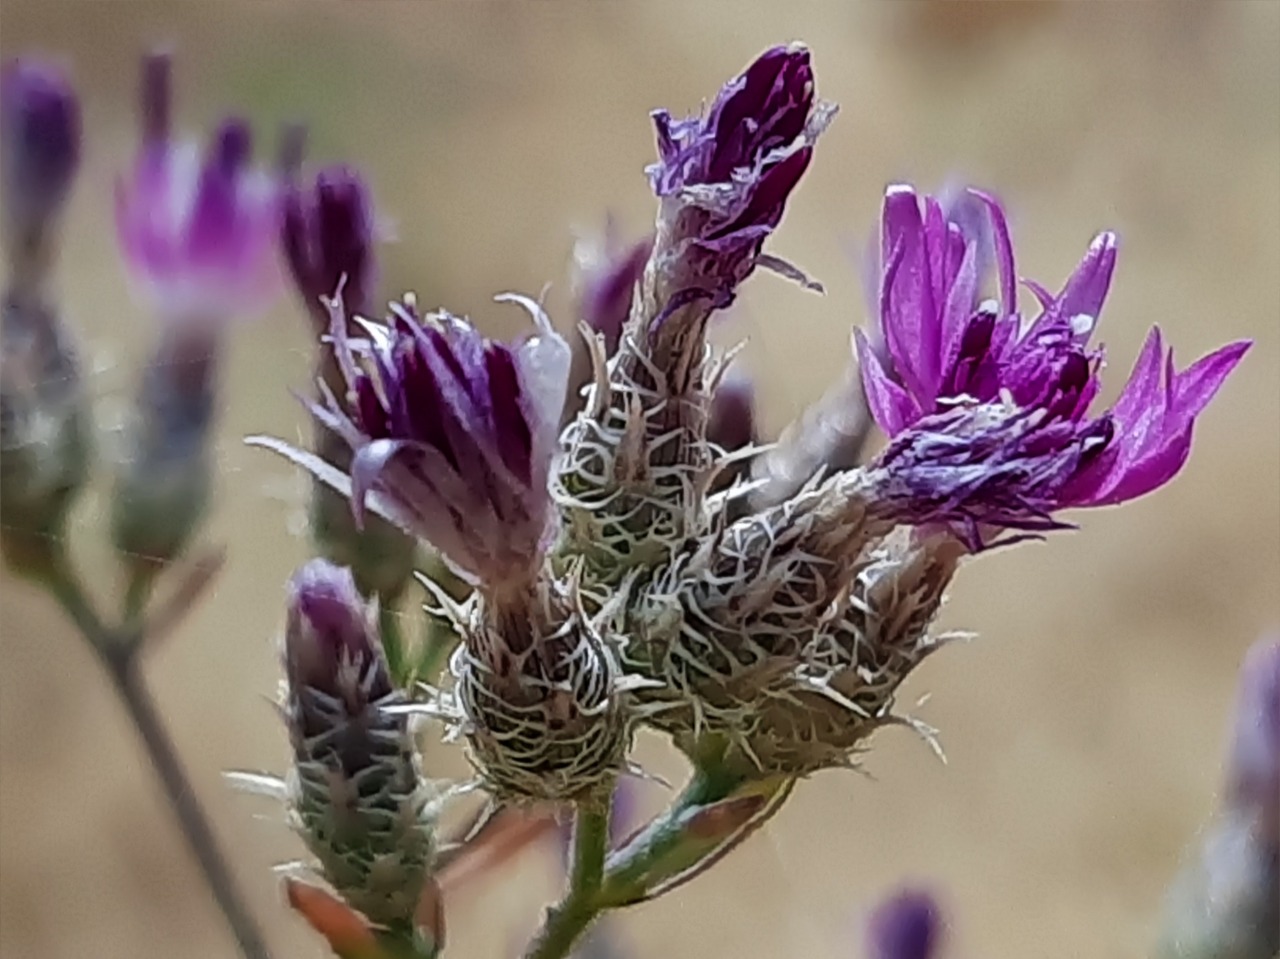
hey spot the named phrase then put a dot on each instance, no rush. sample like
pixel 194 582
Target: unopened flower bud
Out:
pixel 356 792
pixel 906 926
pixel 328 238
pixel 40 139
pixel 1225 904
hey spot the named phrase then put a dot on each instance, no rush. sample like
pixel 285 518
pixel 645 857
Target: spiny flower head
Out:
pixel 355 792
pixel 453 434
pixel 328 237
pixel 197 233
pixel 993 416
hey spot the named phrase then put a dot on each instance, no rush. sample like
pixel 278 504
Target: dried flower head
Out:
pixel 355 791
pixel 197 233
pixel 453 434
pixel 991 420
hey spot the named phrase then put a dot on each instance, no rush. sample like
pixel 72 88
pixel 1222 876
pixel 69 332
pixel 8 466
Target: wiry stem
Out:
pixel 116 651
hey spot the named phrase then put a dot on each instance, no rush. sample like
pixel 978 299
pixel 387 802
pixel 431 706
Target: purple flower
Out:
pixel 725 177
pixel 327 235
pixel 731 423
pixel 197 233
pixel 453 434
pixel 41 142
pixel 907 926
pixel 989 418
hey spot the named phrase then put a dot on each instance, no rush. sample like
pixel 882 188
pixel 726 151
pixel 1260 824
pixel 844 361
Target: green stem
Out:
pixel 581 906
pixel 392 641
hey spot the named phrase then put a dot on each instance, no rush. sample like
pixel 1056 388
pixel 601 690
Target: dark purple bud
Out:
pixel 907 926
pixel 331 641
pixel 157 98
pixel 327 234
pixel 607 274
pixel 41 143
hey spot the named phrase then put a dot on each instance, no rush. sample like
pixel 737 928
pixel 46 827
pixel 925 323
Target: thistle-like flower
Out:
pixel 638 465
pixel 44 448
pixel 198 237
pixel 198 234
pixel 356 793
pixel 453 435
pixel 989 419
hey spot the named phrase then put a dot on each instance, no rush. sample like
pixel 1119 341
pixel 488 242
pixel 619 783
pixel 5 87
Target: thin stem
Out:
pixel 182 800
pixel 117 652
pixel 581 906
pixel 392 641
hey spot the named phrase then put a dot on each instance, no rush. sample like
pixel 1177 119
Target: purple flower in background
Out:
pixel 607 274
pixel 1253 773
pixel 198 233
pixel 328 239
pixel 40 119
pixel 453 434
pixel 725 177
pixel 907 926
pixel 989 419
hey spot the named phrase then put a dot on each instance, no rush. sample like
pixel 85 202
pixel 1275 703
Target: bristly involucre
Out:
pixel 357 795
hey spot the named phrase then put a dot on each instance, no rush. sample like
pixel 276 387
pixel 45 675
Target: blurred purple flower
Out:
pixel 453 434
pixel 989 421
pixel 40 120
pixel 328 239
pixel 906 926
pixel 731 423
pixel 198 234
pixel 728 174
pixel 607 274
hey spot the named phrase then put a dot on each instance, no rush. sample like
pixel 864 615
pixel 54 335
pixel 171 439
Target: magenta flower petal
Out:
pixel 891 405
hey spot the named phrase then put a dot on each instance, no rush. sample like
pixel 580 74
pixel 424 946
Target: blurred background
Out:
pixel 1083 729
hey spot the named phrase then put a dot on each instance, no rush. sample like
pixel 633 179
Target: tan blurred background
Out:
pixel 1083 730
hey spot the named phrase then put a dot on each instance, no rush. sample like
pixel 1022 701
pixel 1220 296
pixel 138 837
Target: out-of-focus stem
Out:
pixel 117 652
pixel 582 905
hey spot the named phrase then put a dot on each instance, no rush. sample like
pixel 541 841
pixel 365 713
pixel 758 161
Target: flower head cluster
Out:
pixel 197 233
pixel 453 434
pixel 990 417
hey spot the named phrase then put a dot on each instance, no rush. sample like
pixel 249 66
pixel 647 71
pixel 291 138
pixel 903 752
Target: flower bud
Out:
pixel 44 443
pixel 906 926
pixel 356 792
pixel 40 127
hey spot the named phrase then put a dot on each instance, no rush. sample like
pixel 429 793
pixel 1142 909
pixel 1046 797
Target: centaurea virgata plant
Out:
pixel 612 591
